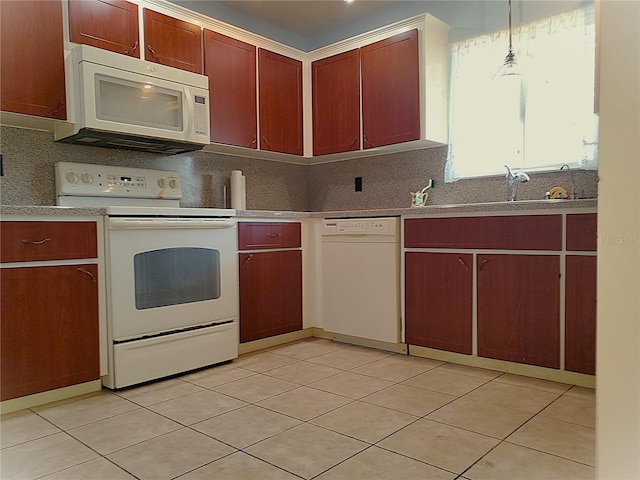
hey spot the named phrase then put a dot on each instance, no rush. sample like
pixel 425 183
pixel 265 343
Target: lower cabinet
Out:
pixel 438 300
pixel 49 328
pixel 519 308
pixel 270 293
pixel 580 314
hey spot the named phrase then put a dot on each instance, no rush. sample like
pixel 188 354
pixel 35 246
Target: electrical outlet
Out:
pixel 358 182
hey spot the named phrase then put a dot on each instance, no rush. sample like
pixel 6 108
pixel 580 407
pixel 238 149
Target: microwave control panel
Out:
pixel 201 115
pixel 83 179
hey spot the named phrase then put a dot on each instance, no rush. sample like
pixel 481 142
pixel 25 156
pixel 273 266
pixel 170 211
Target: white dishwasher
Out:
pixel 361 278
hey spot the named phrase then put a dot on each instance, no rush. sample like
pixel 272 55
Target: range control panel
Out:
pixel 360 226
pixel 83 179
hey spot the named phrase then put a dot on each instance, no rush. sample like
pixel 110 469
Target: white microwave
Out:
pixel 122 102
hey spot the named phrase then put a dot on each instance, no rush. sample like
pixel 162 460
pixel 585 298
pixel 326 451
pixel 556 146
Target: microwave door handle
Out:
pixel 190 107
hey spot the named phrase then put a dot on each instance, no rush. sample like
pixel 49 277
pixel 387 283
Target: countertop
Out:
pixel 505 207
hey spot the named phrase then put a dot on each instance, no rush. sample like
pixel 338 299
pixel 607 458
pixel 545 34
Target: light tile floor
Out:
pixel 312 409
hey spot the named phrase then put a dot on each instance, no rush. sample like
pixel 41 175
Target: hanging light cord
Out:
pixel 510 44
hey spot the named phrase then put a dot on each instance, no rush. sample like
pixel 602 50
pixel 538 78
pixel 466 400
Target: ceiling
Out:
pixel 308 16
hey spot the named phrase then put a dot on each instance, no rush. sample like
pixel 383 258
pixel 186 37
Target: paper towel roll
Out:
pixel 238 193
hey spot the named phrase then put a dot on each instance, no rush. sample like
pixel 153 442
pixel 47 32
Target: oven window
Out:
pixel 173 276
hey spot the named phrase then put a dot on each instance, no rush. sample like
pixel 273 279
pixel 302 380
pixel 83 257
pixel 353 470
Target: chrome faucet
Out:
pixel 572 195
pixel 513 179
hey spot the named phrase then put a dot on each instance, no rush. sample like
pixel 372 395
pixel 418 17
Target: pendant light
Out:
pixel 510 66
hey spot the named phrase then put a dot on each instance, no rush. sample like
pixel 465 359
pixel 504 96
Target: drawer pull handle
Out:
pixel 26 241
pixel 273 235
pixel 87 272
pixel 463 264
pixel 486 260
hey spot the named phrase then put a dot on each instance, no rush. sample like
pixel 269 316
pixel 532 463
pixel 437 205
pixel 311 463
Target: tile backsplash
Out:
pixel 29 157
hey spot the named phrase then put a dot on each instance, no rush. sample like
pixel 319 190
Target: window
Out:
pixel 536 121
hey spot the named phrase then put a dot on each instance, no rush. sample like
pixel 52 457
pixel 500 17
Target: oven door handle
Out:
pixel 169 223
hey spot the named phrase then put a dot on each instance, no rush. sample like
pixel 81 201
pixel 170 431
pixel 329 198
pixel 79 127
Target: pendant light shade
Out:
pixel 510 66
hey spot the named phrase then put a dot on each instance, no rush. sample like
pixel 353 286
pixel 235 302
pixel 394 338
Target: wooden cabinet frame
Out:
pixel 534 292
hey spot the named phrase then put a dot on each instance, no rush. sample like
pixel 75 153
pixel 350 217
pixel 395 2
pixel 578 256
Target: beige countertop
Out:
pixel 521 206
pixel 503 207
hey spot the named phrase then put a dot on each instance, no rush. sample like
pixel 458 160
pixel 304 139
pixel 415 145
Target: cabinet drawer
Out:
pixel 515 232
pixel 582 230
pixel 258 235
pixel 33 241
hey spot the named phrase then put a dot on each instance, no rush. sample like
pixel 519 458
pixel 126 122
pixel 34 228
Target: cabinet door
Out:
pixel 108 24
pixel 32 60
pixel 519 308
pixel 231 67
pixel 172 42
pixel 580 314
pixel 270 294
pixel 49 328
pixel 438 300
pixel 280 92
pixel 391 90
pixel 336 103
pixel 582 232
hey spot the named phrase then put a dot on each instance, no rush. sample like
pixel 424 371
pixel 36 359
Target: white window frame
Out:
pixel 515 120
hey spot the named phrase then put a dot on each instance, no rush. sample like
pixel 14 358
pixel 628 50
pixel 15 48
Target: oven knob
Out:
pixel 86 178
pixel 173 183
pixel 71 177
pixel 161 182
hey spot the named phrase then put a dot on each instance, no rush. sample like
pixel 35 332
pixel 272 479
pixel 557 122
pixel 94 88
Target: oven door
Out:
pixel 170 274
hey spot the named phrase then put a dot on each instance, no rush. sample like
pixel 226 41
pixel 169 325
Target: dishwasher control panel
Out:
pixel 360 226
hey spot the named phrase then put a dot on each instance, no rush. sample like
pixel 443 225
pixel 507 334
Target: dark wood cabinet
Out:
pixel 49 328
pixel 108 24
pixel 32 78
pixel 438 300
pixel 391 90
pixel 336 103
pixel 270 294
pixel 519 308
pixel 172 42
pixel 510 232
pixel 38 241
pixel 272 235
pixel 270 281
pixel 231 67
pixel 580 314
pixel 280 98
pixel 49 312
pixel 582 232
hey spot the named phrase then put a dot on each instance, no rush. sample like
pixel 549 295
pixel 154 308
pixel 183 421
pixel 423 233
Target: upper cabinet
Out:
pixel 385 89
pixel 395 80
pixel 231 67
pixel 280 97
pixel 108 24
pixel 32 60
pixel 336 103
pixel 172 42
pixel 391 91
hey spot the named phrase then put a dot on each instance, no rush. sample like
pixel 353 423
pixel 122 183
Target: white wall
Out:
pixel 618 363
